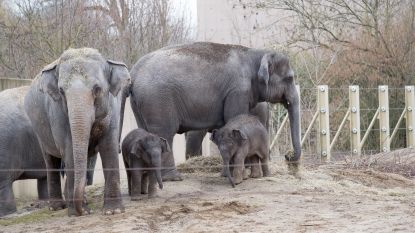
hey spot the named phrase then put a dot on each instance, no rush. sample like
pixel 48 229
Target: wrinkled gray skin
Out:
pixel 194 139
pixel 74 108
pixel 19 149
pixel 203 85
pixel 24 162
pixel 142 153
pixel 242 137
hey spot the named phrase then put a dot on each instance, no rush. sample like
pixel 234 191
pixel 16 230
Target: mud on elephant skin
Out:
pixel 143 154
pixel 243 137
pixel 202 85
pixel 74 106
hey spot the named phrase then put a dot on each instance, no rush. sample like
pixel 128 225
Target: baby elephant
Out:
pixel 242 137
pixel 142 153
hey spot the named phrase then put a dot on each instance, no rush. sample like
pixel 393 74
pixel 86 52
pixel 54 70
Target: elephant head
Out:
pixel 150 149
pixel 276 85
pixel 81 82
pixel 228 142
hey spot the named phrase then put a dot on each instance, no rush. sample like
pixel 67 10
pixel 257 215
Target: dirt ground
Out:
pixel 329 198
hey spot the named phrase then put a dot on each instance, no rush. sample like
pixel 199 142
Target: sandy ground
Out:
pixel 328 198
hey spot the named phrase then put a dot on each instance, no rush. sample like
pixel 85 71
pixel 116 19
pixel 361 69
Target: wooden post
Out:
pixel 384 118
pixel 410 115
pixel 299 102
pixel 354 106
pixel 324 122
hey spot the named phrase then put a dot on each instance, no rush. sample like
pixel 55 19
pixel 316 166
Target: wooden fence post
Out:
pixel 410 115
pixel 384 118
pixel 324 123
pixel 354 106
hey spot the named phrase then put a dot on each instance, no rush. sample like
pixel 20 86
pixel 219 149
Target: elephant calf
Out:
pixel 243 137
pixel 142 153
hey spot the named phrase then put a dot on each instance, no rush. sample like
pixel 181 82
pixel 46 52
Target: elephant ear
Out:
pixel 119 76
pixel 164 145
pixel 49 81
pixel 213 135
pixel 263 72
pixel 239 136
pixel 134 149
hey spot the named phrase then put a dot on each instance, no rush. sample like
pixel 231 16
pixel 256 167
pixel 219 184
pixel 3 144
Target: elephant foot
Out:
pixel 255 173
pixel 246 173
pixel 237 180
pixel 113 207
pixel 172 175
pixel 85 211
pixel 136 198
pixel 57 205
pixel 39 204
pixel 113 211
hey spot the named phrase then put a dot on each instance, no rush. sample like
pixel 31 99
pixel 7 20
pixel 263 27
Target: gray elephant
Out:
pixel 242 137
pixel 142 153
pixel 194 139
pixel 23 162
pixel 202 85
pixel 74 108
pixel 20 152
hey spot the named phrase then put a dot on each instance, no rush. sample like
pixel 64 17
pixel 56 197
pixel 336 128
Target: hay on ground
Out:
pixel 204 164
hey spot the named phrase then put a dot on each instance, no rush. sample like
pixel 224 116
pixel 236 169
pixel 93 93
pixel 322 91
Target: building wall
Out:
pixel 239 22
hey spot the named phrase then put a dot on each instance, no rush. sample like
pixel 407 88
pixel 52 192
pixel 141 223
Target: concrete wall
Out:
pixel 237 22
pixel 7 83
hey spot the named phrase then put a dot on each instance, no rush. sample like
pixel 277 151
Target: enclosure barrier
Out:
pixel 322 114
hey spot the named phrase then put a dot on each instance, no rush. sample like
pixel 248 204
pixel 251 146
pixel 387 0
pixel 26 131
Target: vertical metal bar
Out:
pixel 384 118
pixel 324 123
pixel 410 115
pixel 354 106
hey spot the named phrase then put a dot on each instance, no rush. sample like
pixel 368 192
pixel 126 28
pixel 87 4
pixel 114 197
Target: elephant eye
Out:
pixel 61 91
pixel 96 91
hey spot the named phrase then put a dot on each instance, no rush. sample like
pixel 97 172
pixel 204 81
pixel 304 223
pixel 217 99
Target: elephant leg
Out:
pixel 56 201
pixel 42 189
pixel 265 162
pixel 108 149
pixel 194 141
pixel 136 184
pixel 255 167
pixel 128 178
pixel 152 184
pixel 8 204
pixel 144 183
pixel 238 167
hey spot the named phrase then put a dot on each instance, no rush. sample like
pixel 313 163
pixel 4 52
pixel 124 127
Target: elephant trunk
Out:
pixel 124 94
pixel 228 172
pixel 294 116
pixel 80 119
pixel 156 159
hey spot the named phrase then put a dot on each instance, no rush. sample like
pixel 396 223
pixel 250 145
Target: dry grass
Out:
pixel 203 164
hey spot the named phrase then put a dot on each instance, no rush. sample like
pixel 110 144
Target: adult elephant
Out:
pixel 194 139
pixel 74 108
pixel 203 85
